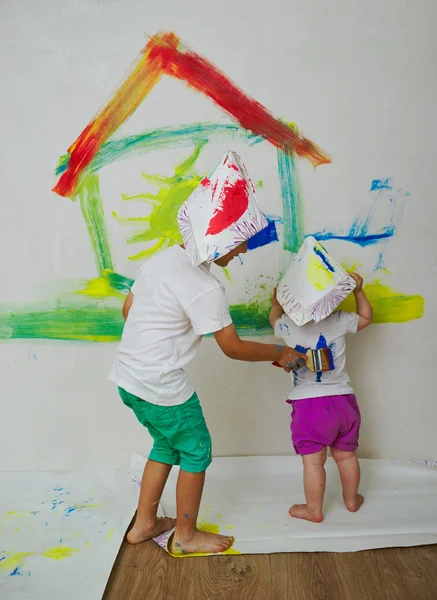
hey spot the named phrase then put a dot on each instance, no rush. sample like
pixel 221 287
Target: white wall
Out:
pixel 357 77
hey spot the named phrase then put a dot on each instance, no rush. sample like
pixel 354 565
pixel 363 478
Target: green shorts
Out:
pixel 180 434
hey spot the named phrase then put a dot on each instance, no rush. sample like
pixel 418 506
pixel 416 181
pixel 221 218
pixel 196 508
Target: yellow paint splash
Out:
pixel 160 227
pixel 318 275
pixel 14 560
pixel 100 287
pixel 88 544
pixel 389 304
pixel 59 552
pixel 226 273
pixel 12 514
pixel 110 534
pixel 210 528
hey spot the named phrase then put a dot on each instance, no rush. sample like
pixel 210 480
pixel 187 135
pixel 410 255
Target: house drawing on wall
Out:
pixel 93 313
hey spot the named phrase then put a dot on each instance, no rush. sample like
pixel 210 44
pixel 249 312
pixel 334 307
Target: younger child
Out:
pixel 325 411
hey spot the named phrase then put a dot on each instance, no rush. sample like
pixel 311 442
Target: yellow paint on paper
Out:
pixel 60 552
pixel 88 544
pixel 210 528
pixel 110 534
pixel 16 515
pixel 230 527
pixel 14 561
pixel 318 275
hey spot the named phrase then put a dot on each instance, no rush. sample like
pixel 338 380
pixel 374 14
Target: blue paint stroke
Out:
pixel 56 503
pixel 324 258
pixel 69 510
pixel 16 571
pixel 361 240
pixel 360 231
pixel 382 184
pixel 299 348
pixel 268 235
pixel 291 202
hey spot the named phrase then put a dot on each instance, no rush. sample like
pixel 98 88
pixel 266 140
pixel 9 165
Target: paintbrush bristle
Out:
pixel 320 360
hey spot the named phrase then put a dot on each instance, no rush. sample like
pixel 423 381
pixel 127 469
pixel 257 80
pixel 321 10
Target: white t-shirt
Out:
pixel 174 305
pixel 329 332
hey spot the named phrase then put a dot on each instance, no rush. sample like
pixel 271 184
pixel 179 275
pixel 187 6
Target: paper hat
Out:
pixel 314 285
pixel 221 213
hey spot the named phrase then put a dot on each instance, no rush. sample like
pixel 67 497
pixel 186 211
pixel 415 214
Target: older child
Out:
pixel 173 303
pixel 325 410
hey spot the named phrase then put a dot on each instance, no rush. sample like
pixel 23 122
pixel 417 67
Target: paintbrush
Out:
pixel 318 361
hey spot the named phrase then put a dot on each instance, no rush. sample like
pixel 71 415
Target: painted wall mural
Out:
pixel 90 310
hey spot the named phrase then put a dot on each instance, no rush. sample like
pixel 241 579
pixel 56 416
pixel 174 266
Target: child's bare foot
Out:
pixel 137 535
pixel 354 506
pixel 200 542
pixel 300 511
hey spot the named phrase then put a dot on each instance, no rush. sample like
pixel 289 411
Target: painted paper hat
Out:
pixel 314 285
pixel 221 213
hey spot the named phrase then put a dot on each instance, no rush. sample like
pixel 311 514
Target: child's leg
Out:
pixel 193 441
pixel 349 469
pixel 314 481
pixel 187 538
pixel 147 525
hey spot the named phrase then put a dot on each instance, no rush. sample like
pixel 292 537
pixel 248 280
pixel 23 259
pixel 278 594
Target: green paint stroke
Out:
pixel 93 213
pixel 94 321
pixel 292 206
pixel 91 322
pixel 160 226
pixel 162 138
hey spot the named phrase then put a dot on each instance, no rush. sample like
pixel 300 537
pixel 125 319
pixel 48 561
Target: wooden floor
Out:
pixel 147 572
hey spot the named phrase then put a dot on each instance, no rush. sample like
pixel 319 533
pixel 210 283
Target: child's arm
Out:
pixel 127 304
pixel 364 308
pixel 234 347
pixel 276 311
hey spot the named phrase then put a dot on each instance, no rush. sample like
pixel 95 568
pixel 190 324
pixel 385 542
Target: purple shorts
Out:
pixel 332 421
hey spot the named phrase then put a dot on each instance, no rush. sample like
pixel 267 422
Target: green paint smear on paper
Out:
pixel 160 226
pixel 94 216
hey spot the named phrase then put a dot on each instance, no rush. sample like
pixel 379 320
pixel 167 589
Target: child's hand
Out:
pixel 290 359
pixel 274 298
pixel 358 280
